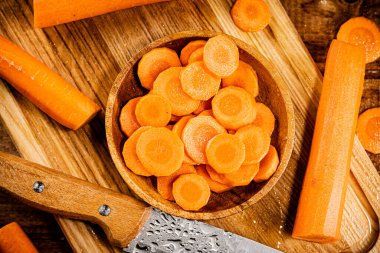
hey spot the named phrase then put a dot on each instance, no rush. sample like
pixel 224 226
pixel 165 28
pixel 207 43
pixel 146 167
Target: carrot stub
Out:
pixel 44 88
pixel 153 63
pixel 197 55
pixel 264 118
pixel 368 130
pixel 198 82
pixel 221 56
pixel 153 110
pixel 128 121
pixel 225 153
pixel 244 77
pixel 165 184
pixel 168 85
pixel 189 49
pixel 191 192
pixel 214 185
pixel 160 151
pixel 361 31
pixel 320 206
pixel 13 240
pixel 251 16
pixel 268 165
pixel 233 107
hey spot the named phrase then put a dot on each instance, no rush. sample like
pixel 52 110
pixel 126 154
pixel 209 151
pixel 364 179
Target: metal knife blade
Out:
pixel 166 233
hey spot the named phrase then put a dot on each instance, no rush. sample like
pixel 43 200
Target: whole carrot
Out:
pixel 46 89
pixel 13 240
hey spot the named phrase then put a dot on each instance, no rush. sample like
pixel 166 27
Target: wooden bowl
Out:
pixel 272 92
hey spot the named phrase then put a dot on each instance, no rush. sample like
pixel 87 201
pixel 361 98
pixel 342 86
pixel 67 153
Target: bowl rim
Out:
pixel 289 140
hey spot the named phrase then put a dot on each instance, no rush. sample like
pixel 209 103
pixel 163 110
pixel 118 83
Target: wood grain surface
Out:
pixel 90 53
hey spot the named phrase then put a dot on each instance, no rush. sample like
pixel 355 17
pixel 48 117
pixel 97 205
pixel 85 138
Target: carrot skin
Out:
pixel 44 88
pixel 13 239
pixel 320 207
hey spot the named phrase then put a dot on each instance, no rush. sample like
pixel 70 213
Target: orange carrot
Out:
pixel 191 192
pixel 198 82
pixel 160 151
pixel 320 206
pixel 153 110
pixel 243 176
pixel 128 121
pixel 256 142
pixel 264 118
pixel 165 184
pixel 170 127
pixel 233 107
pixel 268 165
pixel 196 134
pixel 153 63
pixel 361 31
pixel 13 240
pixel 214 185
pixel 204 105
pixel 189 49
pixel 244 77
pixel 51 12
pixel 221 56
pixel 168 85
pixel 217 177
pixel 197 55
pixel 178 129
pixel 44 88
pixel 368 130
pixel 206 113
pixel 225 153
pixel 251 16
pixel 129 153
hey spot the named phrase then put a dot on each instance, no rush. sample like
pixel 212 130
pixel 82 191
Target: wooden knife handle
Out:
pixel 120 216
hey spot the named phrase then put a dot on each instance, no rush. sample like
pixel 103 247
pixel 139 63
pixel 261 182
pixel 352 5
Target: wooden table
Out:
pixel 316 21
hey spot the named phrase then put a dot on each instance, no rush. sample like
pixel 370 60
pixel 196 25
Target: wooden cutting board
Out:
pixel 90 54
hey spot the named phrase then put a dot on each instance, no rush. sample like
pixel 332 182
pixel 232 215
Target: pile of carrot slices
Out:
pixel 199 129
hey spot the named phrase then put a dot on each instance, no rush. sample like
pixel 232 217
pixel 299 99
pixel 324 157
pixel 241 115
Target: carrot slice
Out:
pixel 165 184
pixel 225 153
pixel 256 142
pixel 168 85
pixel 153 63
pixel 268 165
pixel 160 151
pixel 128 121
pixel 191 192
pixel 214 185
pixel 197 55
pixel 177 129
pixel 233 107
pixel 198 82
pixel 206 113
pixel 368 130
pixel 204 105
pixel 361 31
pixel 221 56
pixel 153 110
pixel 251 16
pixel 217 177
pixel 264 118
pixel 244 77
pixel 196 134
pixel 243 176
pixel 13 240
pixel 129 153
pixel 189 49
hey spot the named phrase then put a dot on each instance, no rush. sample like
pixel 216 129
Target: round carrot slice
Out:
pixel 196 134
pixel 189 49
pixel 221 56
pixel 153 110
pixel 214 185
pixel 218 177
pixel 256 142
pixel 361 31
pixel 244 77
pixel 233 107
pixel 168 85
pixel 191 192
pixel 206 113
pixel 198 82
pixel 177 129
pixel 368 130
pixel 128 121
pixel 268 165
pixel 204 105
pixel 251 16
pixel 225 153
pixel 153 63
pixel 160 151
pixel 130 156
pixel 197 55
pixel 264 118
pixel 243 176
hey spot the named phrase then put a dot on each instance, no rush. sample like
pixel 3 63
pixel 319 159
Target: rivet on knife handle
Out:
pixel 120 216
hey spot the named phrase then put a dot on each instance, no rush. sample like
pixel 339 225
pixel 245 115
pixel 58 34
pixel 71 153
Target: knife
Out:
pixel 126 221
